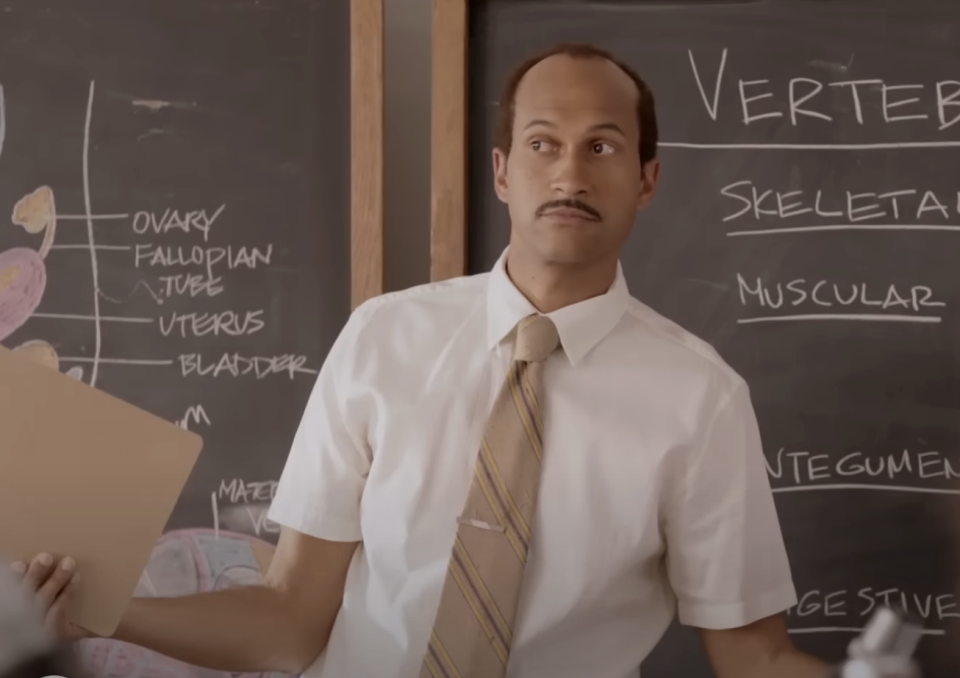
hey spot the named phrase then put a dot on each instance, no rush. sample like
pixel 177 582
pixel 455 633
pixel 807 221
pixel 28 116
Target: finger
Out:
pixel 56 619
pixel 19 568
pixel 58 578
pixel 37 572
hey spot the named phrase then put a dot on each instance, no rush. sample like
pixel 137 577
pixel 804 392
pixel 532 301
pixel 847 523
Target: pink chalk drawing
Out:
pixel 183 562
pixel 22 281
pixel 23 275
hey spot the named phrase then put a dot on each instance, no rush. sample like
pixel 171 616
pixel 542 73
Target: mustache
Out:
pixel 569 203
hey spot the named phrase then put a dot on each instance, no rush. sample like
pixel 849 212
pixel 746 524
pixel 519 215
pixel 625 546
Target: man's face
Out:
pixel 573 181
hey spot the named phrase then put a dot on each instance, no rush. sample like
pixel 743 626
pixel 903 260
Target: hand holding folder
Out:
pixel 85 475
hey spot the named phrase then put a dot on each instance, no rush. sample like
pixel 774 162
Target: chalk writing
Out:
pixel 247 503
pixel 798 98
pixel 235 365
pixel 190 284
pixel 149 222
pixel 201 324
pixel 208 257
pixel 854 207
pixel 801 467
pixel 258 521
pixel 196 415
pixel 862 603
pixel 246 518
pixel 825 294
pixel 240 491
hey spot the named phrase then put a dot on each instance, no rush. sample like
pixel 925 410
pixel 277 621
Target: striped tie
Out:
pixel 474 625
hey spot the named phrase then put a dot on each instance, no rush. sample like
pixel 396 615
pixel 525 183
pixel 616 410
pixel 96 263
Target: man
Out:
pixel 639 479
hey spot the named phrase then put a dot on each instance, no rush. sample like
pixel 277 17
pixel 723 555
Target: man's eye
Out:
pixel 600 147
pixel 540 145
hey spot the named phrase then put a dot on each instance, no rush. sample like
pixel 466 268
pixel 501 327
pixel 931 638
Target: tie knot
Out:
pixel 537 338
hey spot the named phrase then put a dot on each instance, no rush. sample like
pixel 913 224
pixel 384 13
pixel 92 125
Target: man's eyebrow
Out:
pixel 540 123
pixel 609 126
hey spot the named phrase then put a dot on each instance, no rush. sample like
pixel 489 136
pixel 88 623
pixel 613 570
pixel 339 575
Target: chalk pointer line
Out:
pixel 815 147
pixel 95 217
pixel 846 227
pixel 860 486
pixel 3 120
pixel 88 212
pixel 851 629
pixel 866 317
pixel 108 248
pixel 216 515
pixel 113 361
pixel 102 318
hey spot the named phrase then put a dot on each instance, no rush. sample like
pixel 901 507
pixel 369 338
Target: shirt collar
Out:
pixel 581 326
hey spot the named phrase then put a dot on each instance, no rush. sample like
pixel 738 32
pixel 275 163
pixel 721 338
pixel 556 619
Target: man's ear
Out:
pixel 500 174
pixel 649 180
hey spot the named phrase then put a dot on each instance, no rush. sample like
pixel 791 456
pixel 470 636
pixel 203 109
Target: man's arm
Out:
pixel 759 650
pixel 282 624
pixel 285 623
pixel 726 558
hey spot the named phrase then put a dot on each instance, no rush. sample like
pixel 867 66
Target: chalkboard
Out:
pixel 175 187
pixel 806 226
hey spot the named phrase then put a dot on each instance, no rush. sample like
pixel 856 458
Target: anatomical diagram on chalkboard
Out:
pixel 23 275
pixel 183 562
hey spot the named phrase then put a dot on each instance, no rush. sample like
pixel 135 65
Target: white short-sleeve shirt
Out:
pixel 654 497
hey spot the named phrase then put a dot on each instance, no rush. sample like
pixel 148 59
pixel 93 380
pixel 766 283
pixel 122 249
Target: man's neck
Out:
pixel 552 287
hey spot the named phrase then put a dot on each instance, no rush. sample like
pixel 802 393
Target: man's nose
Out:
pixel 570 177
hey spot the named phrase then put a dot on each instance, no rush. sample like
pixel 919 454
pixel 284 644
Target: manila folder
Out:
pixel 86 475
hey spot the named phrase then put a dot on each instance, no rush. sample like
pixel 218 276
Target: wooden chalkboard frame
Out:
pixel 448 154
pixel 366 149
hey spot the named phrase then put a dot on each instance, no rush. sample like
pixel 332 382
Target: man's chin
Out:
pixel 563 246
pixel 571 251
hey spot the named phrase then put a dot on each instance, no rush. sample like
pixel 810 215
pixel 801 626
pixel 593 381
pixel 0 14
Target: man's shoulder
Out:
pixel 687 351
pixel 437 296
pixel 423 310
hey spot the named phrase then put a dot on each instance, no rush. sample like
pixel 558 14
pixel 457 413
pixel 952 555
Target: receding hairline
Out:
pixel 610 63
pixel 647 125
pixel 629 87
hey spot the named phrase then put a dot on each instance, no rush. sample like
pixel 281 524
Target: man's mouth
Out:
pixel 570 212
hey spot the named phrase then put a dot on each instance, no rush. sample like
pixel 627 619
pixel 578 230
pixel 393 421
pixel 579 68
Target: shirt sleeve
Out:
pixel 726 558
pixel 322 482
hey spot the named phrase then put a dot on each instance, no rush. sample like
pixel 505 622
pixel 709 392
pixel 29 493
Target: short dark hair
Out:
pixel 646 108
